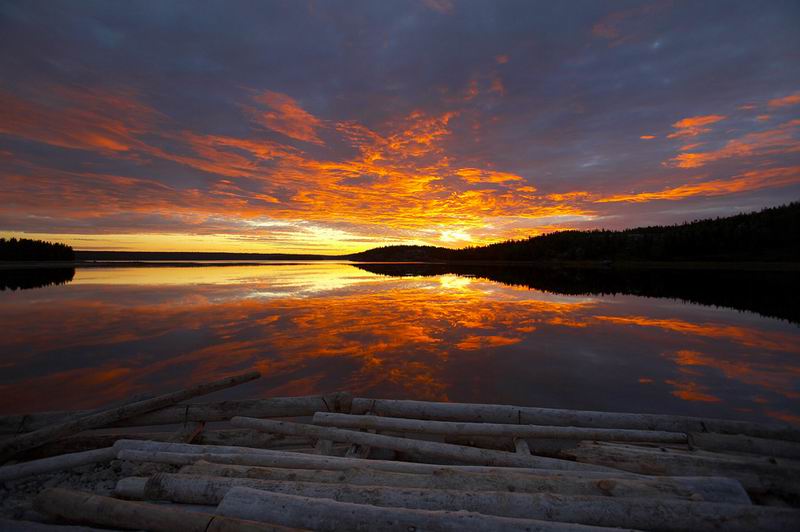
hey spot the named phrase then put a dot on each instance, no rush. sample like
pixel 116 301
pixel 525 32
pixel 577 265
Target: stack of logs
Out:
pixel 375 464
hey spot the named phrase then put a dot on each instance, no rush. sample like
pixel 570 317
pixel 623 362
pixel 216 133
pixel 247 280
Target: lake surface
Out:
pixel 722 344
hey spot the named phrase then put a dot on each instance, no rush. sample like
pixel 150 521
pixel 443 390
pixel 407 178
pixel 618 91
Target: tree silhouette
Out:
pixel 23 249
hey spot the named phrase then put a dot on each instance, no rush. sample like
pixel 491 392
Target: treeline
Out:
pixel 771 234
pixel 23 249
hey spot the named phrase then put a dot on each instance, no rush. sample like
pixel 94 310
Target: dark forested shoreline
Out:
pixel 769 235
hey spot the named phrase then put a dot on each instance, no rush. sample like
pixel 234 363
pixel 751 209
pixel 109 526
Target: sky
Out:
pixel 337 126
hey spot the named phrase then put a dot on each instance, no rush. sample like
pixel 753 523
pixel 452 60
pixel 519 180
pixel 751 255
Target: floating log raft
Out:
pixel 493 429
pixel 363 464
pixel 218 411
pixel 329 516
pixel 567 418
pixel 710 489
pixel 461 453
pixel 106 511
pixel 104 418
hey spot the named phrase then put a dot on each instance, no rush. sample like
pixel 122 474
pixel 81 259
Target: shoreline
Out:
pixel 621 265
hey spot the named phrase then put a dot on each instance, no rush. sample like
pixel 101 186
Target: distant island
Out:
pixel 769 235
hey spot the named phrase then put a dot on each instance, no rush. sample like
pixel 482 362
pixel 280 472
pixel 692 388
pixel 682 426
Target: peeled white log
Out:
pixel 93 509
pixel 325 515
pixel 188 433
pixel 521 446
pixel 100 419
pixel 216 411
pixel 95 439
pixel 569 418
pixel 757 476
pixel 451 428
pixel 744 444
pixel 56 463
pixel 664 515
pixel 448 451
pixel 7 525
pixel 708 489
pixel 183 454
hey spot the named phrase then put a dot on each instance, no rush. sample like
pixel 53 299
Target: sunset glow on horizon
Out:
pixel 334 128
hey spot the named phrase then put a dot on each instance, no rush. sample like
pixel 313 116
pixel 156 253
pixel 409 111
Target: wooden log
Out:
pixel 8 525
pixel 93 509
pixel 708 489
pixel 744 444
pixel 521 446
pixel 47 434
pixel 570 418
pixel 183 454
pixel 538 446
pixel 56 463
pixel 451 428
pixel 95 439
pixel 216 411
pixel 661 515
pixel 188 433
pixel 757 477
pixel 463 454
pixel 326 515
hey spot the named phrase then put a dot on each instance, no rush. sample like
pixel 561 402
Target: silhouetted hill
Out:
pixel 24 249
pixel 768 235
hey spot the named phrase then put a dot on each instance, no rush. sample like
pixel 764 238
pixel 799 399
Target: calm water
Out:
pixel 721 344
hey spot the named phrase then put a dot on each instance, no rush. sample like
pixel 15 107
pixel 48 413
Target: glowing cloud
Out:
pixel 694 126
pixel 792 99
pixel 753 180
pixel 780 140
pixel 286 117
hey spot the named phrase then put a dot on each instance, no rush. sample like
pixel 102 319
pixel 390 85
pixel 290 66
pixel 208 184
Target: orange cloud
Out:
pixel 501 59
pixel 753 180
pixel 474 175
pixel 780 140
pixel 286 117
pixel 694 126
pixel 792 99
pixel 647 137
pixel 78 119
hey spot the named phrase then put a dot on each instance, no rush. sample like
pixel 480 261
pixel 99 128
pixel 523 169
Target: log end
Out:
pixel 131 488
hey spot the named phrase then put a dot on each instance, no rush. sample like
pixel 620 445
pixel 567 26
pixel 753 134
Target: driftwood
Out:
pixel 81 507
pixel 757 475
pixel 665 515
pixel 332 463
pixel 56 463
pixel 700 488
pixel 7 525
pixel 461 453
pixel 570 418
pixel 217 411
pixel 96 439
pixel 47 434
pixel 184 454
pixel 451 428
pixel 744 444
pixel 326 515
pixel 188 433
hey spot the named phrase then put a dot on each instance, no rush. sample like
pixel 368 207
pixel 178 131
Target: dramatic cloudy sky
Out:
pixel 340 125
